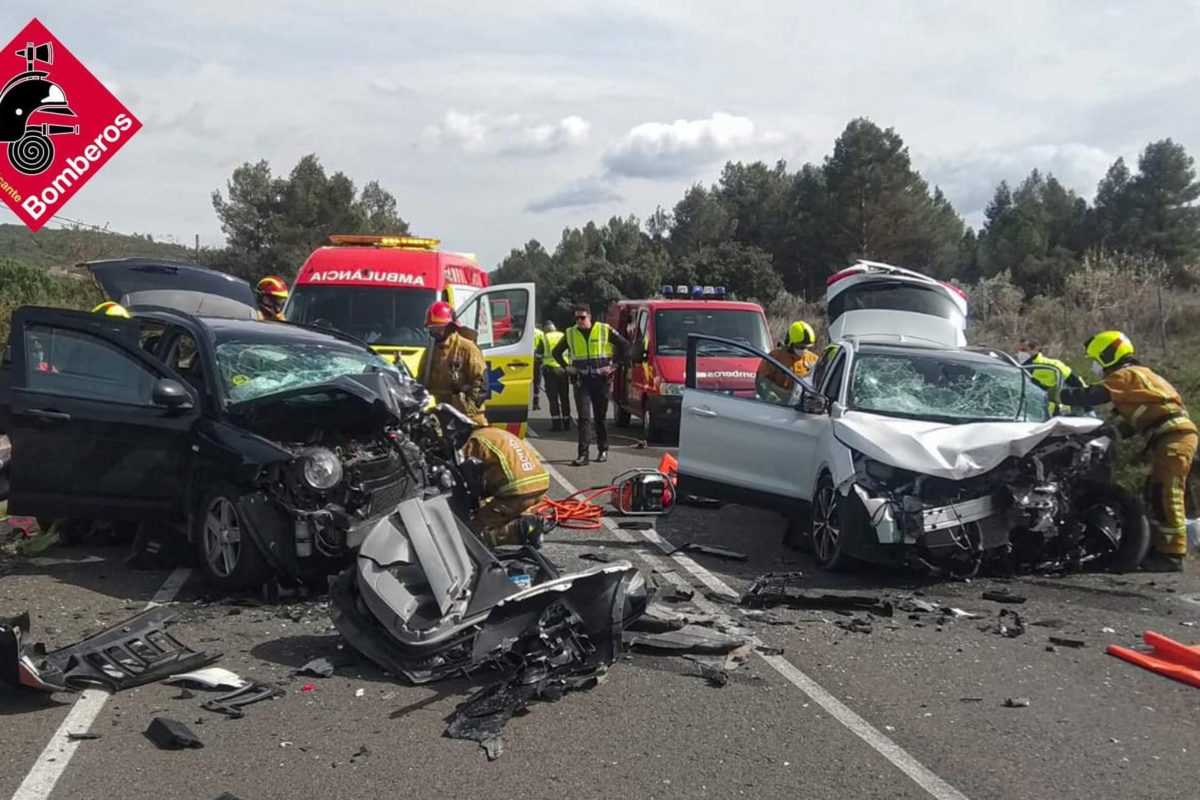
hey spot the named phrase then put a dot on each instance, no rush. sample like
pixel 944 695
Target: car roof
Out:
pixel 693 305
pixel 980 355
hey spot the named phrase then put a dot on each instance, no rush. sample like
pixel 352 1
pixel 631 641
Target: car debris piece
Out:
pixel 958 613
pixel 635 525
pixel 171 734
pixel 856 625
pixel 1009 624
pixel 209 678
pixel 317 668
pixel 674 593
pixel 658 619
pixel 83 736
pixel 1063 642
pixel 768 650
pixel 690 639
pixel 308 688
pixel 712 674
pixel 710 550
pixel 602 558
pixel 782 588
pixel 1004 596
pixel 1017 702
pixel 231 704
pixel 914 606
pixel 130 653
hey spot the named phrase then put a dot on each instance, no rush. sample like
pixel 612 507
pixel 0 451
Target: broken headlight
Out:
pixel 320 468
pixel 878 470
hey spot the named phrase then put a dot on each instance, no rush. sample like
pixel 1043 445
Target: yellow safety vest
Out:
pixel 1048 379
pixel 538 338
pixel 550 341
pixel 591 352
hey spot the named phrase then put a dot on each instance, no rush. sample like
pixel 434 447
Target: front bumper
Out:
pixel 935 529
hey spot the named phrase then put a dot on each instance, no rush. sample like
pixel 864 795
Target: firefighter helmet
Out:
pixel 1107 348
pixel 111 309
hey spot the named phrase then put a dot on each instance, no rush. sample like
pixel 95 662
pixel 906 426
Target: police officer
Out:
pixel 554 374
pixel 592 348
pixel 271 294
pixel 454 369
pixel 1146 404
pixel 538 343
pixel 1029 351
pixel 798 353
pixel 514 481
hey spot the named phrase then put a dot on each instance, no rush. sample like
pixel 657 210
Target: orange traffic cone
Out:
pixel 1169 658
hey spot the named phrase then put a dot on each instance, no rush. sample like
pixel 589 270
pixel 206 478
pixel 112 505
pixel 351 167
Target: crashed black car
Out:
pixel 272 447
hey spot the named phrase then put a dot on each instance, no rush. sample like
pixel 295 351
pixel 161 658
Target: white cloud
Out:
pixel 592 191
pixel 676 149
pixel 505 135
pixel 970 179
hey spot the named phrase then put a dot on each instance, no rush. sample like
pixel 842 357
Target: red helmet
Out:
pixel 440 313
pixel 272 286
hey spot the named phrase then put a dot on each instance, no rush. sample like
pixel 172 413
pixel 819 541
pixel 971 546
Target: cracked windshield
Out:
pixel 942 389
pixel 255 369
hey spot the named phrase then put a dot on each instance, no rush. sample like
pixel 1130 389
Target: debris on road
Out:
pixel 913 605
pixel 170 734
pixel 635 525
pixel 210 678
pixel 1009 624
pixel 710 550
pixel 130 653
pixel 1167 657
pixel 83 737
pixel 784 588
pixel 768 650
pixel 690 639
pixel 1017 702
pixel 231 704
pixel 1063 642
pixel 317 668
pixel 601 558
pixel 856 625
pixel 1003 596
pixel 308 688
pixel 672 592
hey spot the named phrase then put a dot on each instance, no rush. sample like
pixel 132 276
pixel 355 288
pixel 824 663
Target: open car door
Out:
pixel 502 318
pixel 98 425
pixel 759 451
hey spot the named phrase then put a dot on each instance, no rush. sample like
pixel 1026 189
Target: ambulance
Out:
pixel 378 289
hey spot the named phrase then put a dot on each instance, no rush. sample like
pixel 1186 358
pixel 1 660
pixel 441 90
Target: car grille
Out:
pixel 386 495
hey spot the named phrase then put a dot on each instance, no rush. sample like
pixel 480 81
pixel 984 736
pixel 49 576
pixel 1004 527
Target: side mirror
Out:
pixel 813 403
pixel 170 394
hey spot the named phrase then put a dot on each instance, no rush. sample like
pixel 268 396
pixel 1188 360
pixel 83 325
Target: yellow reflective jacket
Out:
pixel 510 467
pixel 1147 403
pixel 801 365
pixel 550 341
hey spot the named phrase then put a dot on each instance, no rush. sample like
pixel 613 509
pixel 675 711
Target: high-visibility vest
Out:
pixel 538 338
pixel 550 340
pixel 592 352
pixel 1048 378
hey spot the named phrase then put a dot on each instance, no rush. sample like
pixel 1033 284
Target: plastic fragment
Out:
pixel 317 668
pixel 209 678
pixel 1004 597
pixel 82 736
pixel 1017 702
pixel 171 734
pixel 1063 642
pixel 308 687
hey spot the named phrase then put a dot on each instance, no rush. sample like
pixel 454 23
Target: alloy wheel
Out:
pixel 825 524
pixel 222 537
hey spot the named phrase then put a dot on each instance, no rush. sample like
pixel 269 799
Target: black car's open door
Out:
pixel 97 429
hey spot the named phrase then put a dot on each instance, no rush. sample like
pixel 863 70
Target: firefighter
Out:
pixel 1029 351
pixel 111 309
pixel 454 369
pixel 514 481
pixel 271 293
pixel 554 374
pixel 592 349
pixel 1144 403
pixel 798 353
pixel 538 340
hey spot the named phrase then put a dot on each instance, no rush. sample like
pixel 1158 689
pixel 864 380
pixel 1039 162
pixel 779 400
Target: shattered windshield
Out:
pixel 251 369
pixel 934 387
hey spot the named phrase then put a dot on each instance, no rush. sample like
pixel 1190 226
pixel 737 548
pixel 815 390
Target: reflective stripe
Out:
pixel 549 342
pixel 1172 423
pixel 1048 378
pixel 593 352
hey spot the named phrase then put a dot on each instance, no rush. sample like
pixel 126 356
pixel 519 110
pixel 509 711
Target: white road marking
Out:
pixel 52 763
pixel 897 755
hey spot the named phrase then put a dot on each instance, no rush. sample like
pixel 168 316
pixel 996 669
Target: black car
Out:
pixel 274 446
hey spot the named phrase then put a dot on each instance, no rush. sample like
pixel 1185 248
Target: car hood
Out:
pixel 375 397
pixel 945 450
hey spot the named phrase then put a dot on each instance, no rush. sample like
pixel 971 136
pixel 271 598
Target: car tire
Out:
pixel 825 529
pixel 1130 512
pixel 230 559
pixel 622 417
pixel 651 430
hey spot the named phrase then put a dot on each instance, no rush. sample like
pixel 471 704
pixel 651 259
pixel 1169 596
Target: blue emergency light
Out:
pixel 667 290
pixel 720 291
pixel 697 291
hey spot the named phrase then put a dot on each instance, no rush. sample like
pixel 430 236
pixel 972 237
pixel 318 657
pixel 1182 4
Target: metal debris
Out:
pixel 231 704
pixel 710 550
pixel 694 639
pixel 84 736
pixel 1017 702
pixel 1004 596
pixel 856 625
pixel 783 588
pixel 1062 642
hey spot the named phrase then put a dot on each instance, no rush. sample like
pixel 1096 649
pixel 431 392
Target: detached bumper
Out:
pixel 664 410
pixel 933 528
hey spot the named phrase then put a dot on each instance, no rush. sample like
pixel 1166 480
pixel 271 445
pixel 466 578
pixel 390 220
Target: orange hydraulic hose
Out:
pixel 580 511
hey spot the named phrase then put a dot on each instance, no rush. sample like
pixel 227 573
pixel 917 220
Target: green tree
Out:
pixel 272 223
pixel 1162 196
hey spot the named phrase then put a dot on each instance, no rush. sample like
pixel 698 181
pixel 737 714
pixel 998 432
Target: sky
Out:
pixel 497 123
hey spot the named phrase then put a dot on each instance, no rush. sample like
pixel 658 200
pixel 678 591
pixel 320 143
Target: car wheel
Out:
pixel 228 555
pixel 651 431
pixel 1115 518
pixel 622 417
pixel 827 539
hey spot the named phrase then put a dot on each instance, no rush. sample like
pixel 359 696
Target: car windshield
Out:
pixel 252 369
pixel 379 315
pixel 935 387
pixel 672 326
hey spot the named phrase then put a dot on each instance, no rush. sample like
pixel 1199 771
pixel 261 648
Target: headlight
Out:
pixel 670 388
pixel 321 468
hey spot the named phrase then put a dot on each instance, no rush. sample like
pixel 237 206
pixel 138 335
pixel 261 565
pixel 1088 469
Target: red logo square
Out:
pixel 58 125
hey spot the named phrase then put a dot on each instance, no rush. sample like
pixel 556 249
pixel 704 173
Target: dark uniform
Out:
pixel 592 354
pixel 554 374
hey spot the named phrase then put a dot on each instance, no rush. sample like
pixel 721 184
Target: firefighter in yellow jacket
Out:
pixel 454 369
pixel 798 353
pixel 514 481
pixel 1146 404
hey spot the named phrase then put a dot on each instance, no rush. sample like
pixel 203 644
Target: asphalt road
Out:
pixel 912 709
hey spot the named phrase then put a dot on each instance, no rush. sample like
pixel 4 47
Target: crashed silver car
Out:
pixel 908 452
